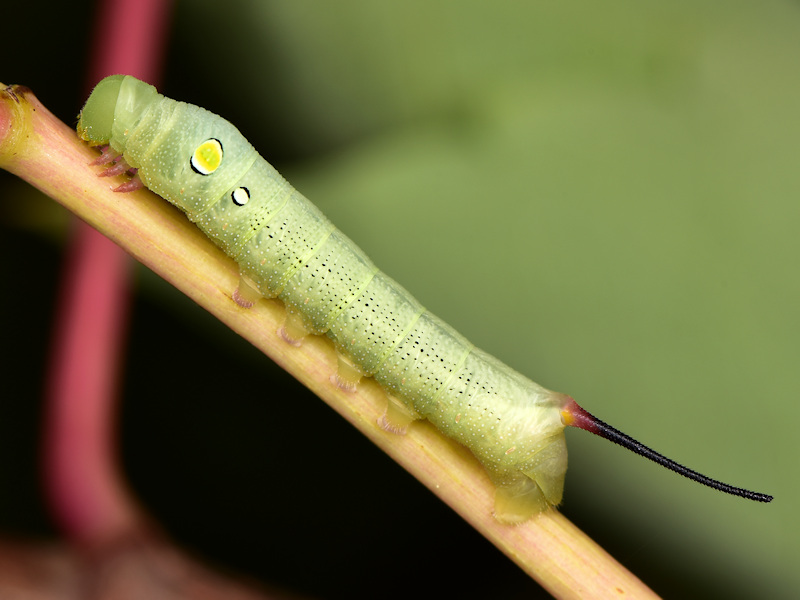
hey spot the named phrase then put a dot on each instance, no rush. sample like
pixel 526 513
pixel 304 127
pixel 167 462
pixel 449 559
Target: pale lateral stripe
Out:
pixel 348 301
pixel 456 369
pixel 299 263
pixel 400 339
pixel 236 252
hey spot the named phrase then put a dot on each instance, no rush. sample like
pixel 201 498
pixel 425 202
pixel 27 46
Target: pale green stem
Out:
pixel 46 153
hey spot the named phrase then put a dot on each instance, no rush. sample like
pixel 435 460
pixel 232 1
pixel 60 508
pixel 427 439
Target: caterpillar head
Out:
pixel 116 103
pixel 185 154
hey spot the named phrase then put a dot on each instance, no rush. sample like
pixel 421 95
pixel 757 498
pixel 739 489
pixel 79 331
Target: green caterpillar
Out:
pixel 287 249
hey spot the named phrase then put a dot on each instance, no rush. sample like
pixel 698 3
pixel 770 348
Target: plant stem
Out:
pixel 548 547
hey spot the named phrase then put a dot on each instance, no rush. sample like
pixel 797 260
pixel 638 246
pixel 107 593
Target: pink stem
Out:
pixel 81 475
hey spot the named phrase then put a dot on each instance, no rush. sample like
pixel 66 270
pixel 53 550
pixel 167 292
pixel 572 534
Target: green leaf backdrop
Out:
pixel 604 195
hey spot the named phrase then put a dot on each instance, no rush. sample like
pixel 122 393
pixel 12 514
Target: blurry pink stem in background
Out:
pixel 84 488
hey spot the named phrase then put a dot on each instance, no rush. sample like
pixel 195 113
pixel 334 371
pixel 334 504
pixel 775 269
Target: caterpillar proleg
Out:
pixel 287 249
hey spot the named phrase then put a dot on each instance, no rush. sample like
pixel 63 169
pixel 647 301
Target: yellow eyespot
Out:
pixel 207 157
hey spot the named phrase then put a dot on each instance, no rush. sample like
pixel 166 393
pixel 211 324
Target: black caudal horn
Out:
pixel 575 416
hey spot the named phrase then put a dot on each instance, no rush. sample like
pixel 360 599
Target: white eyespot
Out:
pixel 207 157
pixel 240 196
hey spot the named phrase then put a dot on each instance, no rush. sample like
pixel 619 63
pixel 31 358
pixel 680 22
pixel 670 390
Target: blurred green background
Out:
pixel 603 195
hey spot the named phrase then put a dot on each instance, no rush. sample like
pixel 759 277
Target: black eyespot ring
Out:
pixel 207 157
pixel 240 196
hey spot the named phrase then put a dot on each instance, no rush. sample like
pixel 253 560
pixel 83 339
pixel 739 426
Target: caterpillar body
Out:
pixel 287 249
